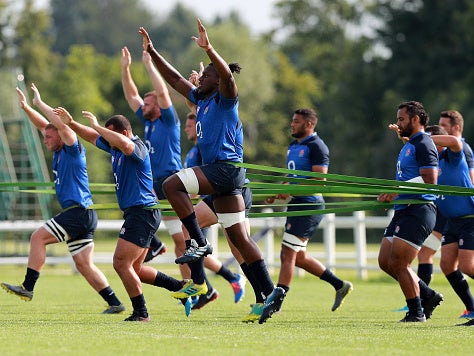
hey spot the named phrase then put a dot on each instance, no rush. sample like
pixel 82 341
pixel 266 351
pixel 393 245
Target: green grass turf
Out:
pixel 64 318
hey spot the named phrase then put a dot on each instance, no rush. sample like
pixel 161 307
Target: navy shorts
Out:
pixel 140 225
pixel 79 223
pixel 246 194
pixel 460 231
pixel 413 224
pixel 440 222
pixel 303 226
pixel 158 187
pixel 225 178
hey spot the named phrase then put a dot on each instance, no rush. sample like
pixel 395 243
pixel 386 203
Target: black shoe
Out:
pixel 468 323
pixel 272 304
pixel 136 317
pixel 410 318
pixel 194 252
pixel 152 253
pixel 429 304
pixel 206 298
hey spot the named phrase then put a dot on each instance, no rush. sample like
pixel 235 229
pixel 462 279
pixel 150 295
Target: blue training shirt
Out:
pixel 454 171
pixel 193 158
pixel 132 174
pixel 419 152
pixel 162 137
pixel 311 151
pixel 70 176
pixel 219 130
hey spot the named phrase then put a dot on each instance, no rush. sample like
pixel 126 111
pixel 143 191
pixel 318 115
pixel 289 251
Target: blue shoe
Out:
pixel 272 304
pixel 402 310
pixel 188 304
pixel 467 315
pixel 238 286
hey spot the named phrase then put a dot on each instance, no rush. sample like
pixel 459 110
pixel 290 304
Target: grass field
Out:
pixel 64 318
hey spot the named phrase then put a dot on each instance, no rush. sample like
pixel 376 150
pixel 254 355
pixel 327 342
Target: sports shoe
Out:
pixel 187 303
pixel 114 309
pixel 341 294
pixel 189 289
pixel 404 309
pixel 194 252
pixel 238 286
pixel 206 298
pixel 429 304
pixel 19 291
pixel 272 304
pixel 255 313
pixel 152 253
pixel 468 323
pixel 136 317
pixel 467 315
pixel 410 318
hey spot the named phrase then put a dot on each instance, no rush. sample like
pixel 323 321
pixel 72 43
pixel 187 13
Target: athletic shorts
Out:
pixel 440 222
pixel 140 225
pixel 412 224
pixel 459 230
pixel 225 178
pixel 79 223
pixel 246 194
pixel 303 226
pixel 158 187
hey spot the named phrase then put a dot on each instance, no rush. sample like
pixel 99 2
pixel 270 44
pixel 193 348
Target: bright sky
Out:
pixel 255 13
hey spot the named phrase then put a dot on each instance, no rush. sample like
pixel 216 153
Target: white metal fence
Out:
pixel 358 223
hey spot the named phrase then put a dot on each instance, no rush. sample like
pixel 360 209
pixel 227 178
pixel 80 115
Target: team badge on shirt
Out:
pixel 408 152
pixel 301 153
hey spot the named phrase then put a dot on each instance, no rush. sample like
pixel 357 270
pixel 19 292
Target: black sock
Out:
pixel 197 271
pixel 139 305
pixel 31 277
pixel 331 278
pixel 260 271
pixel 286 288
pixel 164 281
pixel 461 287
pixel 109 296
pixel 425 291
pixel 227 274
pixel 259 297
pixel 414 306
pixel 191 224
pixel 209 285
pixel 425 272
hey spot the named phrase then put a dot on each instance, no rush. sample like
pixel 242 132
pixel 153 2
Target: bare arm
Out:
pixel 34 116
pixel 227 85
pixel 130 90
pixel 68 136
pixel 87 133
pixel 167 71
pixel 117 140
pixel 159 85
pixel 449 141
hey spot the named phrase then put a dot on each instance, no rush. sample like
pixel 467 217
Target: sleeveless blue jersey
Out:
pixel 193 158
pixel 454 171
pixel 219 130
pixel 311 151
pixel 162 138
pixel 70 176
pixel 419 152
pixel 132 174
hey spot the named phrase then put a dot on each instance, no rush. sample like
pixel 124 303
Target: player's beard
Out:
pixel 407 130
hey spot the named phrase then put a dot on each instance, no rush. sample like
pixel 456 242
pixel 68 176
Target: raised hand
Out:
pixel 146 38
pixel 202 40
pixel 92 119
pixel 194 76
pixel 126 58
pixel 64 115
pixel 36 94
pixel 22 96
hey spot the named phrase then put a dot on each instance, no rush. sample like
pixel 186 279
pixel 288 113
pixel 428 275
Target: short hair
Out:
pixel 435 130
pixel 150 93
pixel 416 108
pixel 234 67
pixel 191 116
pixel 308 114
pixel 120 123
pixel 50 126
pixel 455 118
